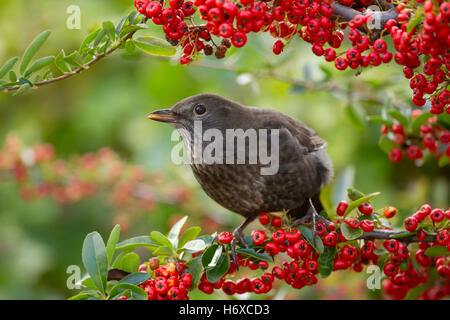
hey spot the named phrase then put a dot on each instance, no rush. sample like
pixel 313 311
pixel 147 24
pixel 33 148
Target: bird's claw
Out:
pixel 238 235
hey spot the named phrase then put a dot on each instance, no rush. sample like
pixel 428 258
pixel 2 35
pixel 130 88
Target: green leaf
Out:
pixel 326 261
pixel 354 204
pixel 404 264
pixel 380 252
pixel 120 25
pixel 141 241
pixel 85 296
pixel 32 49
pixel 163 251
pixel 112 242
pixel 251 253
pixel 75 59
pixel 196 270
pixel 400 117
pixel 39 64
pixel 220 269
pixel 135 278
pixel 354 194
pixel 307 234
pixel 402 235
pixel 12 76
pixel 355 114
pixel 195 245
pixel 8 66
pixel 420 120
pixel 208 255
pixel 437 251
pixel 130 262
pixel 117 264
pixel 88 283
pixel 87 41
pixel 133 16
pixel 175 231
pixel 22 89
pixel 95 259
pixel 443 161
pixel 416 19
pixel 132 28
pixel 110 30
pixel 99 38
pixel 380 120
pixel 349 233
pixel 155 46
pixel 136 292
pixel 160 239
pixel 386 145
pixel 60 63
pixel 188 235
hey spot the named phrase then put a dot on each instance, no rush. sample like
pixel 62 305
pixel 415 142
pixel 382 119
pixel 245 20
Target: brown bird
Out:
pixel 293 184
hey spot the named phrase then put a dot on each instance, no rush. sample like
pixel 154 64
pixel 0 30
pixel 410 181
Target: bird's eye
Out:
pixel 199 109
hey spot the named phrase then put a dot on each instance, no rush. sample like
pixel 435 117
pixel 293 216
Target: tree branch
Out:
pixel 79 69
pixel 402 236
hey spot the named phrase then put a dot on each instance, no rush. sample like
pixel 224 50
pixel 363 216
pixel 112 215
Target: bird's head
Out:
pixel 210 109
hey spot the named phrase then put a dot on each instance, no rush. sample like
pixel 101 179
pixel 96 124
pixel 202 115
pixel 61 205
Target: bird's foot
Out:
pixel 311 217
pixel 238 235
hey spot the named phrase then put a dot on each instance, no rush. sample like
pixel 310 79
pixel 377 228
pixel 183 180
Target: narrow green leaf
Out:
pixel 357 203
pixel 220 269
pixel 99 38
pixel 88 283
pixel 251 253
pixel 135 278
pixel 326 261
pixel 32 49
pixel 132 28
pixel 120 25
pixel 60 63
pixel 400 117
pixel 355 114
pixel 160 239
pixel 417 18
pixel 12 76
pixel 349 233
pixel 155 46
pixel 420 120
pixel 95 259
pixel 437 251
pixel 188 235
pixel 163 251
pixel 209 253
pixel 112 242
pixel 307 234
pixel 130 262
pixel 110 30
pixel 23 88
pixel 140 241
pixel 74 59
pixel 85 296
pixel 136 292
pixel 195 245
pixel 8 66
pixel 196 270
pixel 175 231
pixel 380 120
pixel 87 41
pixel 39 64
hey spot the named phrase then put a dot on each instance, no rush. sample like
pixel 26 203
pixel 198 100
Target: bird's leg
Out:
pixel 238 234
pixel 312 216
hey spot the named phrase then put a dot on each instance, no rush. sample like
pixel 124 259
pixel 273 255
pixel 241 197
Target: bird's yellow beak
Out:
pixel 165 115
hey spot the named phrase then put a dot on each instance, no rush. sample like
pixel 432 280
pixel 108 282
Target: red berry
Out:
pixel 341 208
pixel 279 236
pixel 411 224
pixel 293 236
pixel 365 208
pixel 271 248
pixel 276 222
pixel 225 237
pixel 259 237
pixel 367 225
pixel 264 218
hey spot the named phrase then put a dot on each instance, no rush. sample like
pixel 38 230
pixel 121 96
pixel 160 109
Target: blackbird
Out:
pixel 301 167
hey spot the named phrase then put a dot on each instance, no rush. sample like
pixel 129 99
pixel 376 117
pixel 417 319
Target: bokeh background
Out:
pixel 107 105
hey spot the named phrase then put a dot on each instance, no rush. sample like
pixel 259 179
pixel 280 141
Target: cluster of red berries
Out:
pixel 168 282
pixel 298 265
pixel 432 139
pixel 40 174
pixel 314 21
pixel 430 39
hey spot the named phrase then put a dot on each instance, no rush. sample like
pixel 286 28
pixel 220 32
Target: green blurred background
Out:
pixel 107 106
